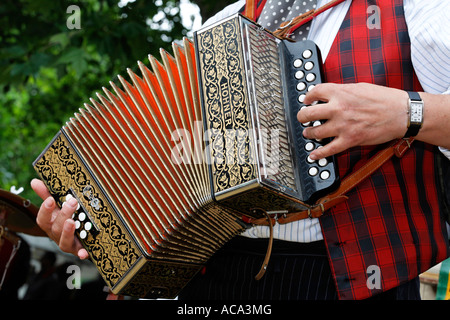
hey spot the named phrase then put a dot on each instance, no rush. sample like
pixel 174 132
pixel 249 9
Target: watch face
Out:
pixel 416 112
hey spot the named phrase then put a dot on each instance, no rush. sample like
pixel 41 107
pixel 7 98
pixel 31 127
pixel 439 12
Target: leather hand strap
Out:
pixel 250 9
pixel 397 148
pixel 263 269
pixel 287 27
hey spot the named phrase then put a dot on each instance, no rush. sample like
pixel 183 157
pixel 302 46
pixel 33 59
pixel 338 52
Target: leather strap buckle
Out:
pixel 319 205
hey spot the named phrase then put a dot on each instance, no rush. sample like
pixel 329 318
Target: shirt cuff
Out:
pixel 446 152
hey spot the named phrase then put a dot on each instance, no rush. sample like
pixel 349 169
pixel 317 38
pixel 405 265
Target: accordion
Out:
pixel 169 167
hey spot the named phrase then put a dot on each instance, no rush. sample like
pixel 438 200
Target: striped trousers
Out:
pixel 296 271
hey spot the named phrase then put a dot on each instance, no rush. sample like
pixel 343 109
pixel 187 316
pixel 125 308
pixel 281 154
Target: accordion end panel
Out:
pixel 157 279
pixel 115 252
pixel 107 240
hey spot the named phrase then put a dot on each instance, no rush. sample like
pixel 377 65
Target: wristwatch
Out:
pixel 415 114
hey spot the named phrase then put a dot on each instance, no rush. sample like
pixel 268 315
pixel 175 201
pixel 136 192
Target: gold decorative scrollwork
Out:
pixel 61 170
pixel 226 106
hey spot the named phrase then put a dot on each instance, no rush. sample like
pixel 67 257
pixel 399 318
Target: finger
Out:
pixel 320 131
pixel 334 147
pixel 321 92
pixel 82 254
pixel 39 187
pixel 322 111
pixel 45 215
pixel 64 214
pixel 69 242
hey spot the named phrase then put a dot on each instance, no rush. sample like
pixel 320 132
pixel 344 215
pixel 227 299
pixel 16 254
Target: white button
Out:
pixel 301 98
pixel 82 216
pixel 77 224
pixel 301 86
pixel 309 65
pixel 317 123
pixel 311 87
pixel 322 162
pixel 310 77
pixel 313 171
pixel 309 160
pixel 307 54
pixel 87 226
pixel 309 146
pixel 325 175
pixel 299 75
pixel 298 63
pixel 83 234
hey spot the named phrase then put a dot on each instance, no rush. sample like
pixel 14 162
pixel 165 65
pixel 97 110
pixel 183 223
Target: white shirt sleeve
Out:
pixel 430 44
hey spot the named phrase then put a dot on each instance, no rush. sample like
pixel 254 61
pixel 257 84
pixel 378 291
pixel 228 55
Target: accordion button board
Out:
pixel 84 224
pixel 302 67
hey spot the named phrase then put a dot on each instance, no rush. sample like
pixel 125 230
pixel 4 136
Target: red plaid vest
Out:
pixel 391 226
pixel 391 223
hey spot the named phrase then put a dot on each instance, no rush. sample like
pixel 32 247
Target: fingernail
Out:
pixel 49 202
pixel 305 133
pixel 82 254
pixel 72 202
pixel 68 225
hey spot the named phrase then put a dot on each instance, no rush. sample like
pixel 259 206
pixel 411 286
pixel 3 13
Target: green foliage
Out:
pixel 209 8
pixel 48 70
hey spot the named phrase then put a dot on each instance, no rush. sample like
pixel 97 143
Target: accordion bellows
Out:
pixel 166 168
pixel 165 207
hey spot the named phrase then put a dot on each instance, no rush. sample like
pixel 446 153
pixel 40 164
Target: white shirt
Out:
pixel 430 54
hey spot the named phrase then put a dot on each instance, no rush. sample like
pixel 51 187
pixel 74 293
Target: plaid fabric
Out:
pixel 392 220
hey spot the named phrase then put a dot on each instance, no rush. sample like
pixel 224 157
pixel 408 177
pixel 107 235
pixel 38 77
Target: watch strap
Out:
pixel 414 96
pixel 413 129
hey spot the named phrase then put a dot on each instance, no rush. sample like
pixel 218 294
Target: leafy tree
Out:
pixel 54 55
pixel 208 8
